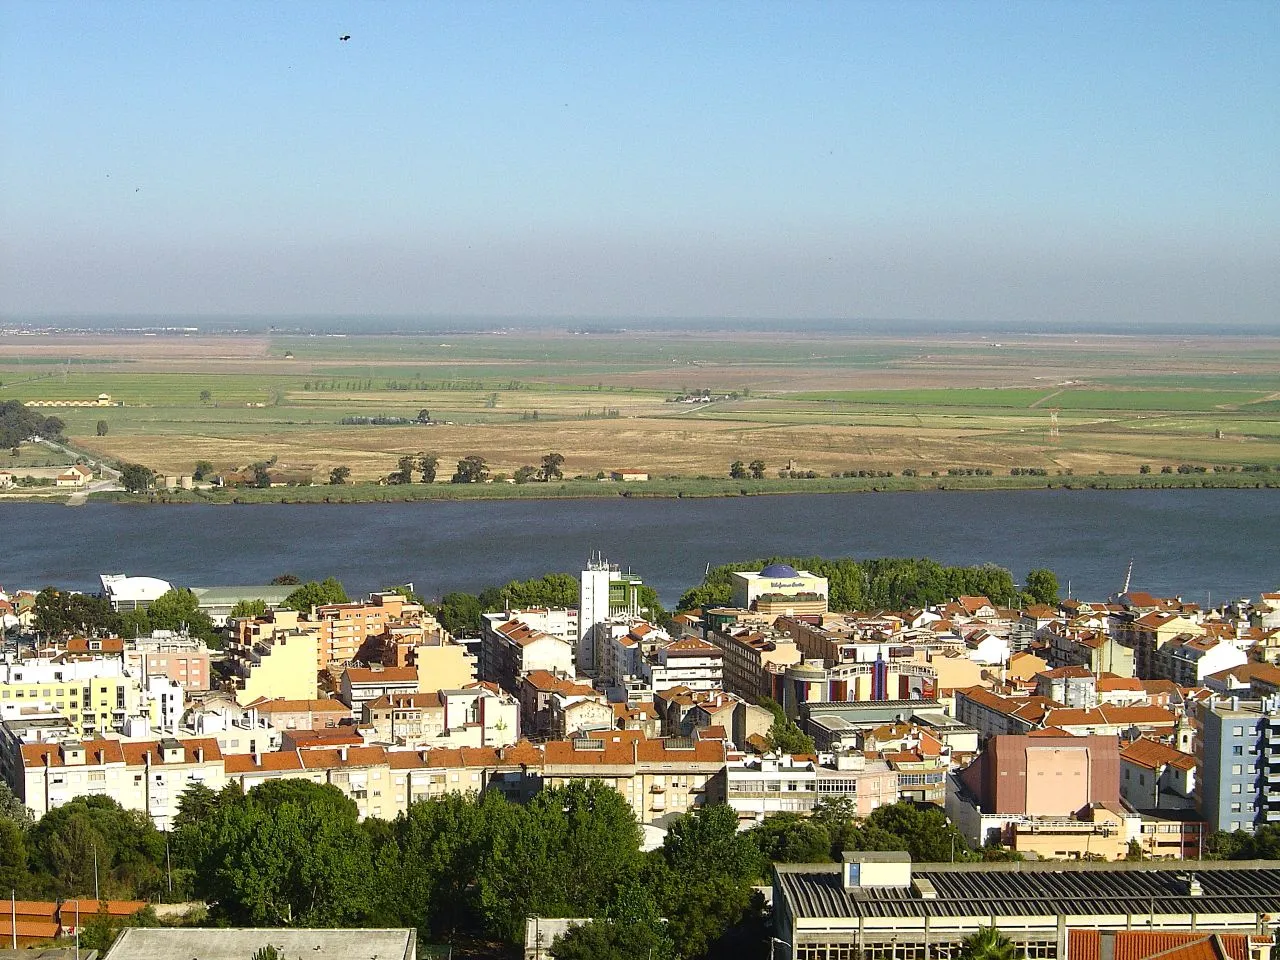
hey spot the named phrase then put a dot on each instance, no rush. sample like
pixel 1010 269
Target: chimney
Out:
pixel 257 759
pixel 199 754
pixel 342 752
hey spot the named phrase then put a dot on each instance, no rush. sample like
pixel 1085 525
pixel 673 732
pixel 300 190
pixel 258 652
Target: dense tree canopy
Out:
pixel 316 594
pixel 60 612
pixel 18 422
pixel 885 583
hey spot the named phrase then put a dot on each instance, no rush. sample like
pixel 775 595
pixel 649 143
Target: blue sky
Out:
pixel 1064 162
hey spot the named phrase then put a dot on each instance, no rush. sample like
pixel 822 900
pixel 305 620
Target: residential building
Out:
pixel 657 778
pixel 510 649
pixel 1188 659
pixel 1156 776
pixel 756 787
pixel 605 593
pixel 345 627
pixel 1237 751
pixel 96 695
pixel 688 662
pixel 274 659
pixel 183 659
pixel 361 685
pixel 754 658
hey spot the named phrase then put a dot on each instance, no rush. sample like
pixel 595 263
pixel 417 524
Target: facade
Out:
pixel 879 906
pixel 361 685
pixel 605 592
pixel 754 658
pixel 275 659
pixel 756 787
pixel 687 662
pixel 658 778
pixel 132 593
pixel 510 649
pixel 94 695
pixel 782 589
pixel 1155 776
pixel 879 680
pixel 1237 751
pixel 182 659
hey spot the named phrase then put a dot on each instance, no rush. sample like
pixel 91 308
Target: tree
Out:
pixel 202 471
pixel 249 608
pixel 179 609
pixel 13 856
pixel 18 422
pixel 286 580
pixel 922 831
pixel 784 734
pixel 551 465
pixel 261 476
pixel 1042 586
pixel 551 590
pixel 613 940
pixel 313 594
pixel 525 474
pixel 59 612
pixel 757 469
pixel 988 944
pixel 791 838
pixel 471 469
pixel 427 463
pixel 738 470
pixel 459 613
pixel 205 396
pixel 404 472
pixel 136 478
pixel 424 415
pixel 13 809
pixel 339 475
pixel 102 427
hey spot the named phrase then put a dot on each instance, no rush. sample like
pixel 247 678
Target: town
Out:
pixel 1054 730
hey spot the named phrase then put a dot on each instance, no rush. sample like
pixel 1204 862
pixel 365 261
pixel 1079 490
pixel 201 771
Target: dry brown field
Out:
pixel 1218 400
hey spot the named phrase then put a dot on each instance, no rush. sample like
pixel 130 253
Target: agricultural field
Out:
pixel 824 402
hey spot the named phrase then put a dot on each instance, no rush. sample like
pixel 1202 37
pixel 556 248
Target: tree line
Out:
pixel 19 422
pixel 887 583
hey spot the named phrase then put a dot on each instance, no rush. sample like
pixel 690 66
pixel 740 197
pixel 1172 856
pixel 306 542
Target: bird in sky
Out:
pixel 345 37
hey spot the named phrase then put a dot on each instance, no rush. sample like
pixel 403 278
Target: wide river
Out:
pixel 1194 543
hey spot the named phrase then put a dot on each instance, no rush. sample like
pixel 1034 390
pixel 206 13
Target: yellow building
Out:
pixel 280 665
pixel 91 704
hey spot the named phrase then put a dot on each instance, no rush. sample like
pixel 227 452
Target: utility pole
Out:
pixel 95 877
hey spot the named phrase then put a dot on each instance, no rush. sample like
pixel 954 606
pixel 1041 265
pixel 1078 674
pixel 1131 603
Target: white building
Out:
pixel 129 593
pixel 605 593
pixel 689 662
pixel 756 787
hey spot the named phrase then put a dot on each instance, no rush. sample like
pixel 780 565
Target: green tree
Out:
pixel 286 580
pixel 102 428
pixel 179 609
pixel 427 464
pixel 757 468
pixel 128 848
pixel 613 940
pixel 316 594
pixel 13 856
pixel 922 831
pixel 261 476
pixel 289 853
pixel 101 930
pixel 339 475
pixel 551 467
pixel 459 613
pixel 784 733
pixel 738 470
pixel 791 838
pixel 59 612
pixel 424 415
pixel 249 608
pixel 136 478
pixel 472 469
pixel 203 470
pixel 404 472
pixel 205 396
pixel 18 422
pixel 1042 586
pixel 988 944
pixel 550 590
pixel 525 474
pixel 13 809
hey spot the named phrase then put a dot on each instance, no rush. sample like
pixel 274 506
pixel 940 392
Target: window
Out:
pixel 1235 807
pixel 1237 751
pixel 1235 788
pixel 1236 769
pixel 1237 731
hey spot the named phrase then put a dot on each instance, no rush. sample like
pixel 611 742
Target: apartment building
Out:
pixel 95 695
pixel 345 627
pixel 274 659
pixel 149 777
pixel 511 649
pixel 658 778
pixel 688 662
pixel 1188 659
pixel 754 658
pixel 1237 751
pixel 185 660
pixel 360 685
pixel 756 787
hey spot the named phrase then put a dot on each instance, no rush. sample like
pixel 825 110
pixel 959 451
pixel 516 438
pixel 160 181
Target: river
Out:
pixel 1193 543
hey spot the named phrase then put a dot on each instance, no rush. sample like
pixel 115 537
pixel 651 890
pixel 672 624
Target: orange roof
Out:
pixel 135 754
pixel 625 747
pixel 300 706
pixel 1111 715
pixel 1144 945
pixel 1152 754
pixel 105 645
pixel 254 763
pixel 95 752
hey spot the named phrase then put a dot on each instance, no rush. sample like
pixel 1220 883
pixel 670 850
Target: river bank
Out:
pixel 688 488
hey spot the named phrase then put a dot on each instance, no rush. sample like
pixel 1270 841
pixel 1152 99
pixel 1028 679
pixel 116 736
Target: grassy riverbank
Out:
pixel 682 488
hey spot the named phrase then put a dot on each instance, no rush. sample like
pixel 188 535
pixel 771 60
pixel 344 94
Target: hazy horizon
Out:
pixel 1047 166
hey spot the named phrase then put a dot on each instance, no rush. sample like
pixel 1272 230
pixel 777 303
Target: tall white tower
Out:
pixel 593 609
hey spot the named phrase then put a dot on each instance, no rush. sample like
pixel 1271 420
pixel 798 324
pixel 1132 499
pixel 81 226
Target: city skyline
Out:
pixel 1091 163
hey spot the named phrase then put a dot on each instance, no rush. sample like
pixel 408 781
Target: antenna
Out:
pixel 1128 575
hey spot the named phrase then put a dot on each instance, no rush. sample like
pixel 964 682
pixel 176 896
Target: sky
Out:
pixel 1039 162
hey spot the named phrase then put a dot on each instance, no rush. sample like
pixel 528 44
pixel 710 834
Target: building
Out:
pixel 688 662
pixel 274 659
pixel 218 602
pixel 511 648
pixel 182 659
pixel 604 593
pixel 658 778
pixel 224 943
pixel 345 627
pixel 95 695
pixel 780 590
pixel 75 477
pixel 1155 776
pixel 1237 751
pixel 132 593
pixel 754 658
pixel 879 680
pixel 879 906
pixel 756 787
pixel 361 685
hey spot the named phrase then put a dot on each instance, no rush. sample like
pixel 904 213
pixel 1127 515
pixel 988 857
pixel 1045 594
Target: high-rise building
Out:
pixel 605 592
pixel 1237 751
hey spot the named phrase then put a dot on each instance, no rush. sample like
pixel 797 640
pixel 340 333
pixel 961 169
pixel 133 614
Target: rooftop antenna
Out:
pixel 1128 575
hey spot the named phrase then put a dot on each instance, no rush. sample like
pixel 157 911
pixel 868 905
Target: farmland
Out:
pixel 826 402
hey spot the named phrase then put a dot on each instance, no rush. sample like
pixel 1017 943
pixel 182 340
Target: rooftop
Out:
pixel 1040 890
pixel 224 944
